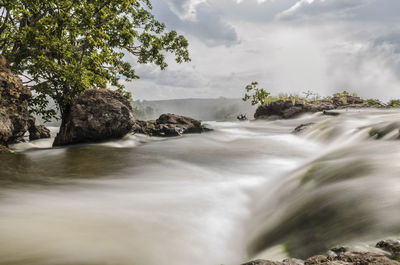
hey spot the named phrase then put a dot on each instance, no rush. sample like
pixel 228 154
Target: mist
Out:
pixel 287 46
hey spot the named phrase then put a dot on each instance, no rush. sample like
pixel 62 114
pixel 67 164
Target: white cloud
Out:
pixel 322 8
pixel 325 46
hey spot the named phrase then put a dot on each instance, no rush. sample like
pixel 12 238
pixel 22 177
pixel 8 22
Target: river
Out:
pixel 244 190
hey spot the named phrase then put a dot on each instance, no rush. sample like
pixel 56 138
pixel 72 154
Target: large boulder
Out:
pixel 168 125
pixel 14 114
pixel 96 115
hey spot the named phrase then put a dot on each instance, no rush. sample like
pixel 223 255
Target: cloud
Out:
pixel 324 46
pixel 198 18
pixel 322 8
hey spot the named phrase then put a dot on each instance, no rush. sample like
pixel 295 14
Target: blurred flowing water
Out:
pixel 223 197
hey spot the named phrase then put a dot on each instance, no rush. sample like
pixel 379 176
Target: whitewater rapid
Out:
pixel 222 197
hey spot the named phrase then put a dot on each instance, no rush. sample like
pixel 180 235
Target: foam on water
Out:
pixel 214 198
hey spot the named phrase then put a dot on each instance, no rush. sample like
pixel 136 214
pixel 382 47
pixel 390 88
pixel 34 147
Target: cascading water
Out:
pixel 217 198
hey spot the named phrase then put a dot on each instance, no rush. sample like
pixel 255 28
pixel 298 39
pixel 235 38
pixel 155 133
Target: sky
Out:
pixel 287 46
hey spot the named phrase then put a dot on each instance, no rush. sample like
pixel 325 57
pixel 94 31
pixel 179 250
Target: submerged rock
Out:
pixel 96 115
pixel 302 127
pixel 168 125
pixel 14 114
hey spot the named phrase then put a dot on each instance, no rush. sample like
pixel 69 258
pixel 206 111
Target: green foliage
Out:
pixel 373 102
pixel 64 47
pixel 394 103
pixel 257 95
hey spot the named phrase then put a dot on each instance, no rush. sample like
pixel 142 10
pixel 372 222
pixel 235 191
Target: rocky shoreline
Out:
pixel 388 253
pixel 291 108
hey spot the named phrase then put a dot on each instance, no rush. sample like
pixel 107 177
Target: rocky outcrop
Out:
pixel 286 109
pixel 37 131
pixel 391 246
pixel 343 256
pixel 96 115
pixel 14 114
pixel 348 258
pixel 168 125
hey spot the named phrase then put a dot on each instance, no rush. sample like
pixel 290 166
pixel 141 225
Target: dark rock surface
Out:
pixel 14 114
pixel 391 246
pixel 4 149
pixel 96 115
pixel 168 125
pixel 37 131
pixel 348 258
pixel 242 117
pixel 302 127
pixel 286 109
pixel 268 262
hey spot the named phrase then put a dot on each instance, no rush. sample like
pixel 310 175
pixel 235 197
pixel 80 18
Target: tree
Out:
pixel 64 47
pixel 258 96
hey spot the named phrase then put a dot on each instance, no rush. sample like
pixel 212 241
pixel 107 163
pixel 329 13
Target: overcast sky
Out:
pixel 288 46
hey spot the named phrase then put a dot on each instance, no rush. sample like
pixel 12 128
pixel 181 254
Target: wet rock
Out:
pixel 330 113
pixel 302 127
pixel 242 117
pixel 37 131
pixel 391 246
pixel 352 258
pixel 263 262
pixel 4 149
pixel 339 249
pixel 96 115
pixel 381 130
pixel 348 258
pixel 14 114
pixel 168 125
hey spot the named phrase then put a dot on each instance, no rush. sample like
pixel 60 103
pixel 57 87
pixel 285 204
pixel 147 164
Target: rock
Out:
pixel 287 109
pixel 14 114
pixel 339 249
pixel 391 246
pixel 242 117
pixel 96 115
pixel 352 258
pixel 168 125
pixel 37 131
pixel 4 149
pixel 302 127
pixel 330 113
pixel 343 100
pixel 263 262
pixel 348 258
